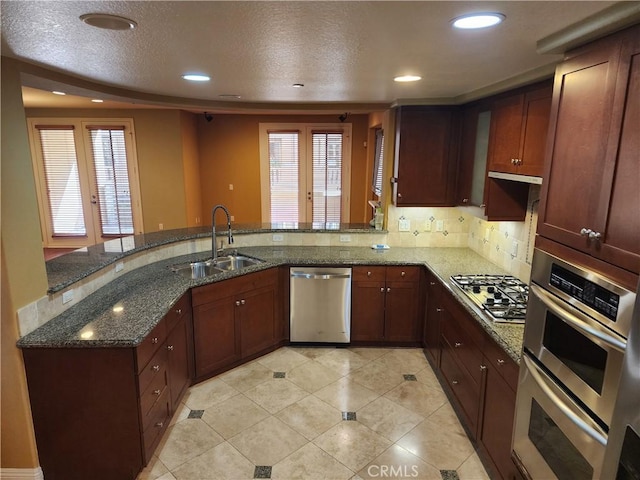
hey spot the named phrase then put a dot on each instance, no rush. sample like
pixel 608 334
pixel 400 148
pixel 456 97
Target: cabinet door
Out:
pixel 578 176
pixel 621 243
pixel 504 136
pixel 401 312
pixel 256 317
pixel 426 157
pixel 216 341
pixel 432 319
pixel 367 311
pixel 497 426
pixel 537 109
pixel 178 351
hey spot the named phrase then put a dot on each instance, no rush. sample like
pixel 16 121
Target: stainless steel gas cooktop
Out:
pixel 504 297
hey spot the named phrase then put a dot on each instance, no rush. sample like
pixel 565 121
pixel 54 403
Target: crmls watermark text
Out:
pixel 382 471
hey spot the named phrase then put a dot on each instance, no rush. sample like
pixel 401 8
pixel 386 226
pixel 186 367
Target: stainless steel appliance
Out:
pixel 504 297
pixel 574 342
pixel 622 456
pixel 320 304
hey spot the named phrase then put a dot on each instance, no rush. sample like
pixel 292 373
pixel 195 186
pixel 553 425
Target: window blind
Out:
pixel 327 177
pixel 283 176
pixel 62 180
pixel 112 180
pixel 378 163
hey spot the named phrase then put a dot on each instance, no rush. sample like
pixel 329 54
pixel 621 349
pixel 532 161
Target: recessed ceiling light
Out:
pixel 478 20
pixel 196 77
pixel 407 78
pixel 96 100
pixel 108 22
pixel 298 85
pixel 55 92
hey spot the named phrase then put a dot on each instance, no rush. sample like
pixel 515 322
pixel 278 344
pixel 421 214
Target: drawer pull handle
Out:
pixel 160 424
pixel 157 392
pixel 500 362
pixel 454 382
pixel 156 368
pixel 154 340
pixel 170 348
pixel 457 345
pixel 483 367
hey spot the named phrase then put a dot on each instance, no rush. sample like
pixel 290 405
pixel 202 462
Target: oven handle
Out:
pixel 551 303
pixel 581 424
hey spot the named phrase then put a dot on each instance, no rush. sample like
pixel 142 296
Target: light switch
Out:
pixel 439 225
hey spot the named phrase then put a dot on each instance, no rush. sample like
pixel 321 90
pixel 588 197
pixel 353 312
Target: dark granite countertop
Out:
pixel 67 269
pixel 123 312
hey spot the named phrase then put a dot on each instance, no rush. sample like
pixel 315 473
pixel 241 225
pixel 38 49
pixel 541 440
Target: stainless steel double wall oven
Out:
pixel 575 337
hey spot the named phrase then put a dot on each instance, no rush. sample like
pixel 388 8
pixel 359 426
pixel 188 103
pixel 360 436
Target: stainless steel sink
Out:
pixel 208 268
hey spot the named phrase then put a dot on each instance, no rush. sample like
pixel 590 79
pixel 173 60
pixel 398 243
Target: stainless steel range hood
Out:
pixel 517 178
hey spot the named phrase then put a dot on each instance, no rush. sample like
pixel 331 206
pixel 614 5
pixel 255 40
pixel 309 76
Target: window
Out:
pixel 305 173
pixel 378 163
pixel 86 173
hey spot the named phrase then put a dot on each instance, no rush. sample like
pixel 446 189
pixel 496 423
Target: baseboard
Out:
pixel 21 474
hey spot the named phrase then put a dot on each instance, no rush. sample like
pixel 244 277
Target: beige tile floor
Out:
pixel 294 426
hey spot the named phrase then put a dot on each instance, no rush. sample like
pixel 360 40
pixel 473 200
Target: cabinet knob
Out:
pixel 432 283
pixel 402 274
pixel 381 289
pixel 483 367
pixel 513 161
pixel 368 274
pixel 585 232
pixel 595 236
pixel 399 195
pixel 160 424
pixel 500 362
pixel 455 382
pixel 439 310
pixel 465 200
pixel 170 348
pixel 154 340
pixel 242 302
pixel 457 345
pixel 179 311
pixel 156 368
pixel 388 289
pixel 237 303
pixel 157 392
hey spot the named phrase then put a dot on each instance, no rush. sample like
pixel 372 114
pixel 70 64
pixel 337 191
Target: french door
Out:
pixel 305 173
pixel 86 173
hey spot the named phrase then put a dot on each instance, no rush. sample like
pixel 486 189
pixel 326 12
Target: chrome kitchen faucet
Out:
pixel 214 251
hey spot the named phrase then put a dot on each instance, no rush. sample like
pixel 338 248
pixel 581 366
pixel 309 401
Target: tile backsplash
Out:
pixel 506 244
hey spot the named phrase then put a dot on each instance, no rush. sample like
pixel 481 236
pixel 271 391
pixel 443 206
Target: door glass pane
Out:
pixel 561 455
pixel 581 355
pixel 327 178
pixel 283 176
pixel 63 182
pixel 112 181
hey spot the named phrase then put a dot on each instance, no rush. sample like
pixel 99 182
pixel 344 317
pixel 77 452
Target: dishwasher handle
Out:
pixel 319 276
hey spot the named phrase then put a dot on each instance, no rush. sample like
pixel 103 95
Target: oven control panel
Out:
pixel 594 296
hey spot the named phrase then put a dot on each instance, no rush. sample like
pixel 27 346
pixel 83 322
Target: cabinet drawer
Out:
pixel 228 288
pixel 180 308
pixel 502 363
pixel 403 274
pixel 152 394
pixel 463 347
pixel 463 386
pixel 372 274
pixel 150 344
pixel 157 364
pixel 158 421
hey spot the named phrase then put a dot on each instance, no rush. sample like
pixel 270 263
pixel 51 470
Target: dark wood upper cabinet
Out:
pixel 590 201
pixel 518 134
pixel 426 156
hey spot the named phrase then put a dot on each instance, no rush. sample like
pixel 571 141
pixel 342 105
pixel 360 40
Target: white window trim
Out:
pixel 83 151
pixel 305 130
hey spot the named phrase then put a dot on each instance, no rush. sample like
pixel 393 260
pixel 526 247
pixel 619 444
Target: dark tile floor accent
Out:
pixel 349 416
pixel 410 377
pixel 279 374
pixel 196 414
pixel 449 475
pixel 262 471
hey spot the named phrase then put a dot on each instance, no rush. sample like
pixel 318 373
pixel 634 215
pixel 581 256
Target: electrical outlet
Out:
pixel 67 296
pixel 277 237
pixel 119 266
pixel 404 225
pixel 439 225
pixel 427 226
pixel 487 234
pixel 197 220
pixel 231 186
pixel 345 238
pixel 232 218
pixel 514 248
pixel 160 226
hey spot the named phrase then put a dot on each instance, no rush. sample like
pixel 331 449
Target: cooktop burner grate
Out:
pixel 504 297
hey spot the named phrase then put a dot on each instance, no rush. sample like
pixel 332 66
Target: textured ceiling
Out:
pixel 342 51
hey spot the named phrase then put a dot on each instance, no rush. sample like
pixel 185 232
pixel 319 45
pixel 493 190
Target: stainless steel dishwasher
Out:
pixel 320 301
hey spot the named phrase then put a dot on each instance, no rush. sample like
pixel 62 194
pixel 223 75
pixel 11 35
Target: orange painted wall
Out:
pixel 191 167
pixel 230 154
